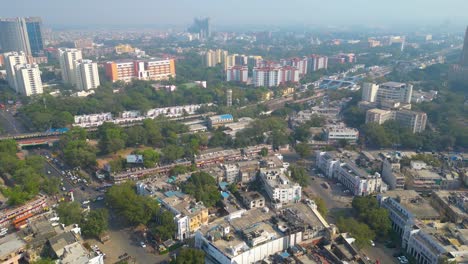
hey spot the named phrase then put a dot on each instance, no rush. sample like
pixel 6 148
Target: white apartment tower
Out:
pixel 68 58
pixel 369 91
pixel 87 76
pixel 28 79
pixel 11 60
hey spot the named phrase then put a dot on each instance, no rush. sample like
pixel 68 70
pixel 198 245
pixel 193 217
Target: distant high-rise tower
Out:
pixel 34 28
pixel 202 27
pixel 68 58
pixel 459 72
pixel 87 76
pixel 229 98
pixel 464 57
pixel 14 35
pixel 11 60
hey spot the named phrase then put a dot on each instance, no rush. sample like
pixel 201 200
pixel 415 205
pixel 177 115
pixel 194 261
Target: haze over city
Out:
pixel 240 13
pixel 234 132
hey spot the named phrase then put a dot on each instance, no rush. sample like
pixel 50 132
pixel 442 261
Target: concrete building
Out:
pixel 68 59
pixel 28 79
pixel 201 26
pixel 389 91
pixel 215 57
pixel 219 120
pixel 341 132
pixel 359 182
pixel 405 209
pixel 87 75
pixel 35 35
pixel 237 74
pixel 279 188
pixel 252 200
pixel 250 236
pixel 317 62
pixel 11 60
pixel 451 204
pixel 229 98
pixel 231 173
pixel 391 174
pixel 272 76
pixel 189 215
pixel 12 249
pixel 151 69
pixel 124 48
pixel 14 35
pixel 299 63
pixel 414 121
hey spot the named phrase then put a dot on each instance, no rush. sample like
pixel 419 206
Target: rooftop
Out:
pixel 414 203
pixel 10 244
pixel 393 84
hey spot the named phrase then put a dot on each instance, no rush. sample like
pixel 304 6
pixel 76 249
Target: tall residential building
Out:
pixel 459 72
pixel 274 75
pixel 201 26
pixel 68 58
pixel 215 57
pixel 387 92
pixel 317 62
pixel 237 74
pixel 14 35
pixel 229 98
pixel 28 79
pixel 87 75
pixel 299 63
pixel 151 69
pixel 11 60
pixel 369 92
pixel 464 57
pixel 36 41
pixel 414 121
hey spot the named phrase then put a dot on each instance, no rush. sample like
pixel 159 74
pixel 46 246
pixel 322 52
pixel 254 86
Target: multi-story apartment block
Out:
pixel 215 57
pixel 389 91
pixel 237 74
pixel 68 59
pixel 87 75
pixel 11 60
pixel 279 188
pixel 299 63
pixel 189 215
pixel 274 75
pixel 231 173
pixel 414 121
pixel 341 132
pixel 391 174
pixel 317 62
pixel 28 79
pixel 424 237
pixel 151 69
pixel 359 182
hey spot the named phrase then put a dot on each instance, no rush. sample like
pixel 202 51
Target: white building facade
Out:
pixel 87 75
pixel 28 79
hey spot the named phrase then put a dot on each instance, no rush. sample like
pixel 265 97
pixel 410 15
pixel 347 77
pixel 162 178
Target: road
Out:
pixel 9 123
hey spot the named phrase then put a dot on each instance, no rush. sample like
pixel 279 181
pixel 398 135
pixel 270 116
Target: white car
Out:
pixel 372 243
pixel 142 244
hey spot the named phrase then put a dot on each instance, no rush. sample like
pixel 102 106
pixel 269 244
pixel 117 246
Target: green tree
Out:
pixel 150 157
pixel 69 213
pixel 264 152
pixel 321 206
pixel 111 138
pixel 190 256
pixel 136 135
pixel 133 208
pixel 79 153
pixel 172 152
pixel 360 231
pixel 299 175
pixel 95 223
pixel 203 187
pixel 303 149
pixel 165 227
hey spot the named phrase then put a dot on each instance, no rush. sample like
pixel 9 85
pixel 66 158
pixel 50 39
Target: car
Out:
pixel 83 188
pixel 142 244
pixel 64 189
pixel 372 243
pixel 85 202
pixel 99 198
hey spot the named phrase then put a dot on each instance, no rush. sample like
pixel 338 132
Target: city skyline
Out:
pixel 241 13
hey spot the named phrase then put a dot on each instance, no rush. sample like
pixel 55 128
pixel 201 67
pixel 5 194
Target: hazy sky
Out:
pixel 239 12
